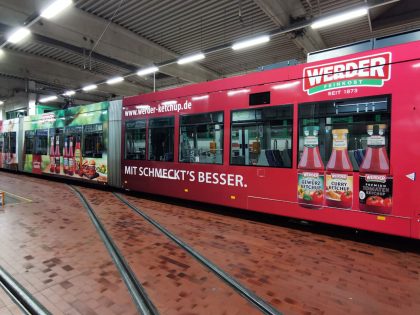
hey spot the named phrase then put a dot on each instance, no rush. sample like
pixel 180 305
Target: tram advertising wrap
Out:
pixel 329 141
pixel 71 143
pixel 333 141
pixel 9 135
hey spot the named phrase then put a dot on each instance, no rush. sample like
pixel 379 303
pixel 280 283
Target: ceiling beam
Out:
pixel 282 13
pixel 392 15
pixel 82 29
pixel 57 73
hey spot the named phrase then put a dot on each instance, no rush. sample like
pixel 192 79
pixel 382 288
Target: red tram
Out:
pixel 332 141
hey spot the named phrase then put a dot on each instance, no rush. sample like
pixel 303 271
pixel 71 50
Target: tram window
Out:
pixel 93 141
pixel 29 141
pixel 9 145
pixel 135 140
pixel 41 142
pixel 262 136
pixel 57 132
pixel 354 116
pixel 161 139
pixel 73 133
pixel 1 142
pixel 201 138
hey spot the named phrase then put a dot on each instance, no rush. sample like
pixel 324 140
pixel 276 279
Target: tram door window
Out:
pixel 9 142
pixel 93 143
pixel 161 139
pixel 357 117
pixel 201 138
pixel 1 142
pixel 29 141
pixel 262 137
pixel 73 135
pixel 41 142
pixel 135 140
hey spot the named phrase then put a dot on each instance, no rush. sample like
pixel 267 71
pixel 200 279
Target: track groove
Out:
pixel 22 298
pixel 258 302
pixel 138 293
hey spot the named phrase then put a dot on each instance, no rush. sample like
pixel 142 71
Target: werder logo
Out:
pixel 370 70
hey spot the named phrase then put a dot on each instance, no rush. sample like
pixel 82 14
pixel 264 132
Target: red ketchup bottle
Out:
pixel 375 187
pixel 339 159
pixel 376 158
pixel 65 158
pixel 57 155
pixel 339 177
pixel 311 175
pixel 311 158
pixel 52 156
pixel 71 158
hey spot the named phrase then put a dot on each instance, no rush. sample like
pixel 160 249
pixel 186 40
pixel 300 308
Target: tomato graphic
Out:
pixel 346 197
pixel 388 202
pixel 318 197
pixel 374 201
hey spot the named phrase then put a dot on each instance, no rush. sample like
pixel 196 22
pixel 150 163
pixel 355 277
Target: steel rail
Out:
pixel 258 302
pixel 20 296
pixel 138 293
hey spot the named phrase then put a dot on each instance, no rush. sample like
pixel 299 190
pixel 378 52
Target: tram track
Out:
pixel 253 299
pixel 142 301
pixel 20 296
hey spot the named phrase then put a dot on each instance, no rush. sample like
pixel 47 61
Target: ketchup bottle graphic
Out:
pixel 339 176
pixel 57 155
pixel 52 156
pixel 65 158
pixel 311 171
pixel 71 158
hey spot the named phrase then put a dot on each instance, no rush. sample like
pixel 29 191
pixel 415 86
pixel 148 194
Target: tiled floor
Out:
pixel 51 247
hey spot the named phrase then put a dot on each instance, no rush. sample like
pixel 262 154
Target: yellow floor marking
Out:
pixel 19 197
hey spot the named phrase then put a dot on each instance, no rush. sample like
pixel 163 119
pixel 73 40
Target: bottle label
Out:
pixel 310 141
pixel 340 144
pixel 376 141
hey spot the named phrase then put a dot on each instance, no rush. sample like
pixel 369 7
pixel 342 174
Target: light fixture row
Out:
pixel 59 5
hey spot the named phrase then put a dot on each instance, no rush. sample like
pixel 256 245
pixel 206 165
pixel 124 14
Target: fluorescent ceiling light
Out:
pixel 202 97
pixel 285 85
pixel 251 42
pixel 147 71
pixel 191 58
pixel 55 8
pixel 231 93
pixel 18 35
pixel 48 99
pixel 1 102
pixel 89 87
pixel 115 80
pixel 69 93
pixel 339 18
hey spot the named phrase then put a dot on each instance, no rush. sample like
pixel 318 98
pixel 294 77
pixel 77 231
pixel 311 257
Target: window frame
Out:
pixel 249 123
pixel 354 100
pixel 223 135
pixel 149 133
pixel 146 151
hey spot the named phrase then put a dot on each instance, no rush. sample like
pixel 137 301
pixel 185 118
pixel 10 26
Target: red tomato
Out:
pixel 346 197
pixel 375 201
pixel 318 197
pixel 388 202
